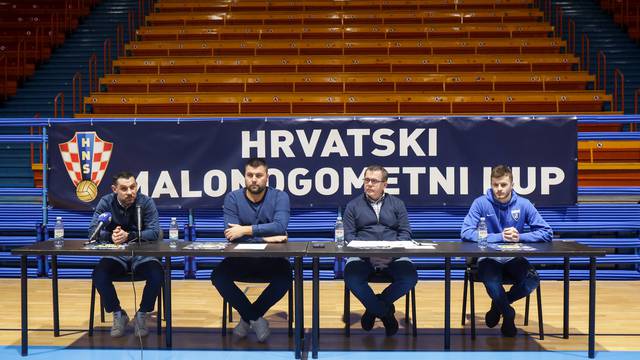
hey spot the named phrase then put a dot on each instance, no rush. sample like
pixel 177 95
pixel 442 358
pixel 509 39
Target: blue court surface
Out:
pixel 61 353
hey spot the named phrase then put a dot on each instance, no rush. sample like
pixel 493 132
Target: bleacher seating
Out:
pixel 345 57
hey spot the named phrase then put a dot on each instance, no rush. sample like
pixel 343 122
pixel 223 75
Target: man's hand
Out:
pixel 235 231
pixel 119 236
pixel 511 234
pixel 275 239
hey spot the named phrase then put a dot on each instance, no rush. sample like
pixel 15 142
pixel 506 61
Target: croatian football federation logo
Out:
pixel 86 158
pixel 515 214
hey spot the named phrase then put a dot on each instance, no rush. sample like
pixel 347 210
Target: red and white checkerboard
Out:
pixel 71 158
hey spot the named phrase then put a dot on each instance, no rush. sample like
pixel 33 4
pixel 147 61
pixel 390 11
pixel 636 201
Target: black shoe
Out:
pixel 492 317
pixel 367 320
pixel 508 327
pixel 390 323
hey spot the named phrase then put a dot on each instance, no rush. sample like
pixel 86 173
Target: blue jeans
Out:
pixel 108 269
pixel 518 271
pixel 403 276
pixel 274 271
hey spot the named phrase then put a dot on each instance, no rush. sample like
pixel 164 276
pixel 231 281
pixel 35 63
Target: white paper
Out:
pixel 251 246
pixel 403 244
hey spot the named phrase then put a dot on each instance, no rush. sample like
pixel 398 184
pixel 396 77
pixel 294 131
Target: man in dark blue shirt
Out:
pixel 123 228
pixel 256 213
pixel 376 215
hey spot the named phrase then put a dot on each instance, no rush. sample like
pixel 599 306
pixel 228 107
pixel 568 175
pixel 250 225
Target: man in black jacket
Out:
pixel 376 215
pixel 122 204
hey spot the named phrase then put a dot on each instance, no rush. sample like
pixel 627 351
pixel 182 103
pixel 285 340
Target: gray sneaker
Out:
pixel 120 320
pixel 261 328
pixel 140 324
pixel 242 329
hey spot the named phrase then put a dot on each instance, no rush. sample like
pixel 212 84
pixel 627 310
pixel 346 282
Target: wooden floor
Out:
pixel 197 311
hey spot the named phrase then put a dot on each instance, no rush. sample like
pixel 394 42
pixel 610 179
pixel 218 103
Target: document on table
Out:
pixel 401 244
pixel 512 247
pixel 250 246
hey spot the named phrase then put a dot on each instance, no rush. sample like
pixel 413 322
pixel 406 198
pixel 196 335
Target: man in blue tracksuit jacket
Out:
pixel 123 228
pixel 255 213
pixel 505 214
pixel 375 215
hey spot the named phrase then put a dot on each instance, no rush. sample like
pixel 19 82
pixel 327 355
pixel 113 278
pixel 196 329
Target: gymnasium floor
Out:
pixel 197 311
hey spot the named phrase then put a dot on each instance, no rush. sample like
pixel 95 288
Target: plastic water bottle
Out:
pixel 58 233
pixel 173 233
pixel 482 233
pixel 339 233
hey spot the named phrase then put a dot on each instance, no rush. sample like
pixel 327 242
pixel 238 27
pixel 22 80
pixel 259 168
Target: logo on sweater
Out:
pixel 515 214
pixel 86 158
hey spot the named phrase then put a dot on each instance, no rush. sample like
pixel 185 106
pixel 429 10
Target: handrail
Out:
pixel 119 40
pixel 585 60
pixel 106 59
pixel 141 12
pixel 559 15
pixel 5 81
pixel 617 74
pixel 602 62
pixel 60 97
pixel 93 73
pixel 19 61
pixel 637 95
pixel 35 116
pixel 77 77
pixel 131 25
pixel 571 35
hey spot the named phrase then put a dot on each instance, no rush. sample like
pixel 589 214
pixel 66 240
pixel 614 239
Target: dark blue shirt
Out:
pixel 361 222
pixel 268 217
pixel 126 218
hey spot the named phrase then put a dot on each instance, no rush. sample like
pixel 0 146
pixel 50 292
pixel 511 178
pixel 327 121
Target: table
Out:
pixel 156 249
pixel 564 249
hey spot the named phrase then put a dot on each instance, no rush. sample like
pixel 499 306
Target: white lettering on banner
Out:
pixel 309 144
pixel 305 184
pixel 328 181
pixel 384 142
pixel 281 140
pixel 164 186
pixel 531 181
pixel 352 181
pixel 259 144
pixel 186 189
pixel 334 144
pixel 221 178
pixel 550 176
pixel 437 180
pixel 389 145
pixel 358 135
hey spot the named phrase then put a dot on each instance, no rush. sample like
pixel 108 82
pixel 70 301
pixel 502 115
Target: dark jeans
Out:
pixel 403 277
pixel 274 271
pixel 109 269
pixel 517 271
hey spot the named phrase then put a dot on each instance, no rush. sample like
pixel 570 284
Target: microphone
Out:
pixel 103 220
pixel 139 216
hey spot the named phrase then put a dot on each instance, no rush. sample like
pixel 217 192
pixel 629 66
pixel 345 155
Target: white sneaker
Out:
pixel 140 324
pixel 242 329
pixel 120 320
pixel 261 328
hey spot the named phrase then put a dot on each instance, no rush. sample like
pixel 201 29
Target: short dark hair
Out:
pixel 255 162
pixel 499 171
pixel 385 173
pixel 121 175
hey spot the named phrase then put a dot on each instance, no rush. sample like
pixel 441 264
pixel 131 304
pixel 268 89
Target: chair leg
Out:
pixel 101 310
pixel 464 298
pixel 413 312
pixel 230 309
pixel 526 310
pixel 224 318
pixel 472 305
pixel 406 308
pixel 159 313
pixel 347 311
pixel 91 309
pixel 540 321
pixel 290 315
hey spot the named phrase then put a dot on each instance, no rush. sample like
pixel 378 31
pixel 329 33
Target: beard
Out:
pixel 256 189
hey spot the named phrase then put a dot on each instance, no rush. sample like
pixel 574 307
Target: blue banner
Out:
pixel 319 162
